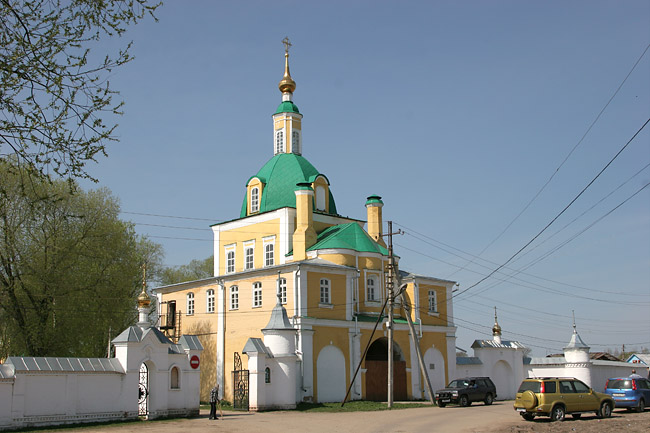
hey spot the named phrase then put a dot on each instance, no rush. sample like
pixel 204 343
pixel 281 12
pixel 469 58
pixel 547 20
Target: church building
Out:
pixel 298 287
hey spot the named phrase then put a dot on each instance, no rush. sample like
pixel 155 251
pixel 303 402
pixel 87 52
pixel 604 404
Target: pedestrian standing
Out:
pixel 635 376
pixel 214 398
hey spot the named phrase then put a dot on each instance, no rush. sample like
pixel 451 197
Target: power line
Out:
pixel 565 159
pixel 559 214
pixel 169 216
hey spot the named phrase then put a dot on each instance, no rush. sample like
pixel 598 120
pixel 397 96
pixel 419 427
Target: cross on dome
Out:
pixel 287 44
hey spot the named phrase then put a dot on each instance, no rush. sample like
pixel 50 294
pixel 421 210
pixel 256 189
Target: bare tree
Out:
pixel 55 96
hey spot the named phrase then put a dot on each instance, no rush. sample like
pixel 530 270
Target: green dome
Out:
pixel 287 107
pixel 280 176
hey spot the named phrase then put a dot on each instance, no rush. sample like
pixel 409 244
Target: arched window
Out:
pixel 295 142
pixel 190 304
pixel 320 198
pixel 433 302
pixel 249 262
pixel 209 301
pixel 174 378
pixel 230 262
pixel 234 298
pixel 257 294
pixel 255 199
pixel 268 255
pixel 325 291
pixel 279 142
pixel 267 375
pixel 371 290
pixel 283 290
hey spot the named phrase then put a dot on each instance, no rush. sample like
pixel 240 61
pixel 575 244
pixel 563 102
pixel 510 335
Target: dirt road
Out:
pixel 499 417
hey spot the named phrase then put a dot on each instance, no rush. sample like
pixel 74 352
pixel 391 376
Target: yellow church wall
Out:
pixel 337 306
pixel 248 321
pixel 241 324
pixel 340 259
pixel 437 340
pixel 202 324
pixel 438 318
pixel 253 232
pixel 325 336
pixel 373 263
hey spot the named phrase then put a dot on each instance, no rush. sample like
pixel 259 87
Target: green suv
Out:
pixel 557 396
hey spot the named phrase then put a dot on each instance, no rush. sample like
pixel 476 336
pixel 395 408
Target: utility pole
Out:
pixel 390 283
pixel 416 343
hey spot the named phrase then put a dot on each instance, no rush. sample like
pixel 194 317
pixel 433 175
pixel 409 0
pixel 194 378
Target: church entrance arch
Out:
pixel 377 371
pixel 330 367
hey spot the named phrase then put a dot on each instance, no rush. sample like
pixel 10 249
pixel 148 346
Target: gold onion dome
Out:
pixel 287 85
pixel 496 329
pixel 143 299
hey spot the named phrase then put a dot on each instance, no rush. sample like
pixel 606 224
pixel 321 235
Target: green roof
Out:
pixel 280 176
pixel 347 236
pixel 287 107
pixel 372 318
pixel 374 199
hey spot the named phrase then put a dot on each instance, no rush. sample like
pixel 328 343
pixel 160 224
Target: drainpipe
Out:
pixel 222 385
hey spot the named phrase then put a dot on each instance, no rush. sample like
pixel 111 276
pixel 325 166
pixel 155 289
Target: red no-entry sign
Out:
pixel 194 361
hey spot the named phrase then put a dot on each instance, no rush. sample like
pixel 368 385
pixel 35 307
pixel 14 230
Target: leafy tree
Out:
pixel 194 270
pixel 69 268
pixel 54 88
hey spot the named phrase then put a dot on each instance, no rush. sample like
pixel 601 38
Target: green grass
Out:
pixel 356 406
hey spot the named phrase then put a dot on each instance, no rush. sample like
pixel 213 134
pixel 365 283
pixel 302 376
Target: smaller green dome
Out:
pixel 374 199
pixel 287 107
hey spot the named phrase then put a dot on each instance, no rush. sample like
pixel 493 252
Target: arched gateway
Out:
pixel 377 372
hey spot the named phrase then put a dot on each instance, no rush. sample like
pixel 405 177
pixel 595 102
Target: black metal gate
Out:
pixel 143 391
pixel 239 385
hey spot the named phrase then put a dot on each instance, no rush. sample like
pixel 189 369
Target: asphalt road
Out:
pixel 478 418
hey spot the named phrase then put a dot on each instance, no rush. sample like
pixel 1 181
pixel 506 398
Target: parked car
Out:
pixel 467 390
pixel 557 396
pixel 628 392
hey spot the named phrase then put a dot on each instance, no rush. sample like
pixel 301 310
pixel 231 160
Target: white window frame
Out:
pixel 279 141
pixel 321 200
pixel 283 290
pixel 189 304
pixel 255 199
pixel 371 289
pixel 257 294
pixel 375 276
pixel 209 301
pixel 269 242
pixel 234 297
pixel 249 246
pixel 295 142
pixel 230 263
pixel 432 299
pixel 325 292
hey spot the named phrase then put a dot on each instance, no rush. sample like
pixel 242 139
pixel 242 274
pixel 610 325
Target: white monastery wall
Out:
pixel 50 391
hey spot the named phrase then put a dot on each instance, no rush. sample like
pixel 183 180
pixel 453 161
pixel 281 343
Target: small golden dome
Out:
pixel 143 299
pixel 496 329
pixel 287 85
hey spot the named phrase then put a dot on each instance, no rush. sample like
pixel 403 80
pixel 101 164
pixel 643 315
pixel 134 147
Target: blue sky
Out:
pixel 456 113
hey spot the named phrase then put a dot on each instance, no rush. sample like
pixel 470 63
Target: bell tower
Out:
pixel 287 120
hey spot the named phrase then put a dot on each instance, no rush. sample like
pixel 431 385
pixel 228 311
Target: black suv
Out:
pixel 466 390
